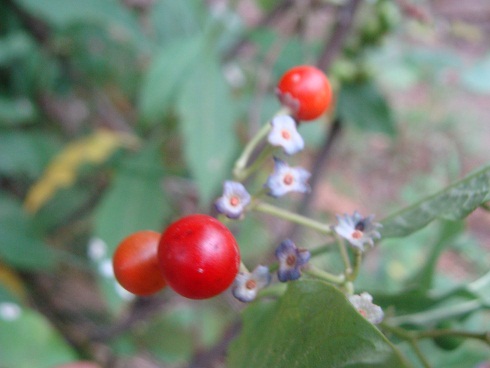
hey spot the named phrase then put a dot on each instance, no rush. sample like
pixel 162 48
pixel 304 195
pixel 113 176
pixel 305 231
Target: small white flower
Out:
pixel 234 75
pixel 233 201
pixel 358 230
pixel 106 269
pixel 97 249
pixel 287 179
pixel 364 305
pixel 247 285
pixel 284 134
pixel 9 311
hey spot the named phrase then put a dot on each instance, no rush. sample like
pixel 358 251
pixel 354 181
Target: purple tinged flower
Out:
pixel 287 179
pixel 358 230
pixel 365 306
pixel 233 201
pixel 247 284
pixel 284 134
pixel 291 260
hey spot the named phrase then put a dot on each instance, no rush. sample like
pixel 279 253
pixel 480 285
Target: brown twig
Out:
pixel 206 359
pixel 341 29
pixel 142 309
pixel 276 13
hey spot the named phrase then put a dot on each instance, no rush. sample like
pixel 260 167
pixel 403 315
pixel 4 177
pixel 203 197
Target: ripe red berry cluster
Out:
pixel 197 256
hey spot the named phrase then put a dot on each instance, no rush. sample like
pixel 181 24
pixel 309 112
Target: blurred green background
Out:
pixel 117 116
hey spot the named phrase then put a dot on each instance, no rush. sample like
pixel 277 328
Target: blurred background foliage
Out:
pixel 117 116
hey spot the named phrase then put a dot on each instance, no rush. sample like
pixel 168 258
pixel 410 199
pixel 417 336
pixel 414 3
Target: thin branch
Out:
pixel 317 171
pixel 341 29
pixel 208 358
pixel 142 309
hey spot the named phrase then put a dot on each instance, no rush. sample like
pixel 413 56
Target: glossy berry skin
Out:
pixel 136 265
pixel 306 91
pixel 199 256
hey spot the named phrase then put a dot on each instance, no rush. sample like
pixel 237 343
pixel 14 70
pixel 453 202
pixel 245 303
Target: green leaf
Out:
pixel 30 341
pixel 363 105
pixel 20 245
pixel 452 203
pixel 472 353
pixel 135 201
pixel 208 116
pixel 312 325
pixel 173 20
pixel 62 13
pixel 26 153
pixel 14 46
pixel 168 71
pixel 447 233
pixel 14 112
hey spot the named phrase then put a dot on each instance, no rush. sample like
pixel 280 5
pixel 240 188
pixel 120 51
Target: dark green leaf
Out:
pixel 13 112
pixel 363 105
pixel 14 46
pixel 208 118
pixel 406 301
pixel 447 232
pixel 26 153
pixel 20 245
pixel 472 354
pixel 267 5
pixel 312 325
pixel 29 341
pixel 165 76
pixel 452 203
pixel 62 13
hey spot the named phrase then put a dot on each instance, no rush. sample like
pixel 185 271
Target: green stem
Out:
pixel 411 339
pixel 357 265
pixel 419 353
pixel 292 217
pixel 243 268
pixel 438 314
pixel 483 336
pixel 242 161
pixel 323 275
pixel 344 254
pixel 264 155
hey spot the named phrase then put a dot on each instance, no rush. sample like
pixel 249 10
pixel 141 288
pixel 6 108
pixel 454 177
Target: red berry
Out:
pixel 199 256
pixel 136 265
pixel 306 91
